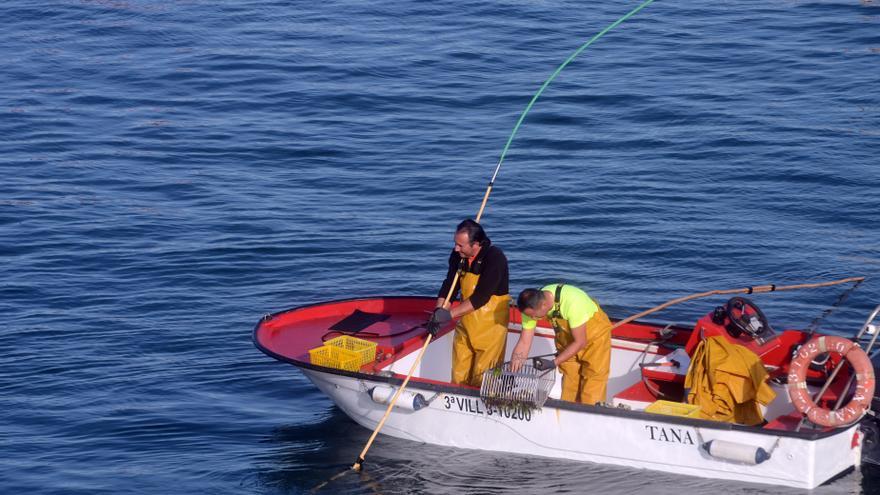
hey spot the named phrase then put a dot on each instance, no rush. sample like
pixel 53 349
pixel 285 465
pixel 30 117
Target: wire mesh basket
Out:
pixel 526 387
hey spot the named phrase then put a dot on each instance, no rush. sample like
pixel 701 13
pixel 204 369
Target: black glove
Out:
pixel 542 364
pixel 437 319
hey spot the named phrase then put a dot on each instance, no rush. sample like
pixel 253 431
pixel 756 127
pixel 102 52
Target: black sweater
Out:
pixel 491 265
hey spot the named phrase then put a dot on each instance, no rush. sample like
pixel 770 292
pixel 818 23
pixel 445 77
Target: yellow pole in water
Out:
pixel 360 460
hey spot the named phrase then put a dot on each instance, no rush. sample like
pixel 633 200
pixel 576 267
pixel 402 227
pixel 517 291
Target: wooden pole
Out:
pixel 360 460
pixel 744 290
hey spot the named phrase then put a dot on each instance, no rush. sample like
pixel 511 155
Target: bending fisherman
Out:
pixel 583 339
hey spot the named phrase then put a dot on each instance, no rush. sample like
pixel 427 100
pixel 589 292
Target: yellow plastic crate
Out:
pixel 334 357
pixel 363 349
pixel 674 409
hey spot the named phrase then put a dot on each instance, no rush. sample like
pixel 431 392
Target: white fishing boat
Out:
pixel 645 422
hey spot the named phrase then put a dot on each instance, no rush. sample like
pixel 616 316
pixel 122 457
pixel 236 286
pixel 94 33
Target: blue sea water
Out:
pixel 171 171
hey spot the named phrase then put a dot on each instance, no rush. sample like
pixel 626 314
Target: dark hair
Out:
pixel 529 299
pixel 474 231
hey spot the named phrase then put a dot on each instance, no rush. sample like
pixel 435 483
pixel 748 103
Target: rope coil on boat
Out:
pixel 864 374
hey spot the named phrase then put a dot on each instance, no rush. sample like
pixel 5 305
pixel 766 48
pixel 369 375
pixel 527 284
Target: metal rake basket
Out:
pixel 526 387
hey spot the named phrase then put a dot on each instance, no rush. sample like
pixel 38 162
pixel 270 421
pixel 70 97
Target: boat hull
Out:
pixel 648 363
pixel 596 434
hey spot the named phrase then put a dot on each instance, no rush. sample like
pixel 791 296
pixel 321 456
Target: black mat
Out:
pixel 358 321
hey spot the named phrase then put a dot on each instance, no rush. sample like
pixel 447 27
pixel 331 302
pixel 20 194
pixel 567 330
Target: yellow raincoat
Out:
pixel 728 381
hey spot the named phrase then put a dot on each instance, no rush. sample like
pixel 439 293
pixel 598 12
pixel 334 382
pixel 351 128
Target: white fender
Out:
pixel 382 394
pixel 736 452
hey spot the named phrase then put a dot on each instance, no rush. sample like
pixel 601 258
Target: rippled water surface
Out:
pixel 174 170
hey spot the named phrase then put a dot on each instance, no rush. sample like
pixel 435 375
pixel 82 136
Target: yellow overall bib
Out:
pixel 480 336
pixel 584 375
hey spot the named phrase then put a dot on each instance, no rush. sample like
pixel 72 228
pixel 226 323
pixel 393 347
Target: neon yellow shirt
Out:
pixel 575 306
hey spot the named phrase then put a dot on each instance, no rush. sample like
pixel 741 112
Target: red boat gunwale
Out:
pixel 402 338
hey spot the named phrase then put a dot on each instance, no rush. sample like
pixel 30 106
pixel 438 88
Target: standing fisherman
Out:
pixel 583 339
pixel 481 335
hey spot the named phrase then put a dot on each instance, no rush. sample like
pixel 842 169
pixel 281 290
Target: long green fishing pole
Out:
pixel 360 460
pixel 541 90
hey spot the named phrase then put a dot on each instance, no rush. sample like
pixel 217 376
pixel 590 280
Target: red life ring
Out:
pixel 797 384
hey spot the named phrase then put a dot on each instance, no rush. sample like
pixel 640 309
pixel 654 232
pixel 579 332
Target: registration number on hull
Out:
pixel 477 406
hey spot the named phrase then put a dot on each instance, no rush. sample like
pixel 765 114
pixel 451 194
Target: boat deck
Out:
pixel 396 325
